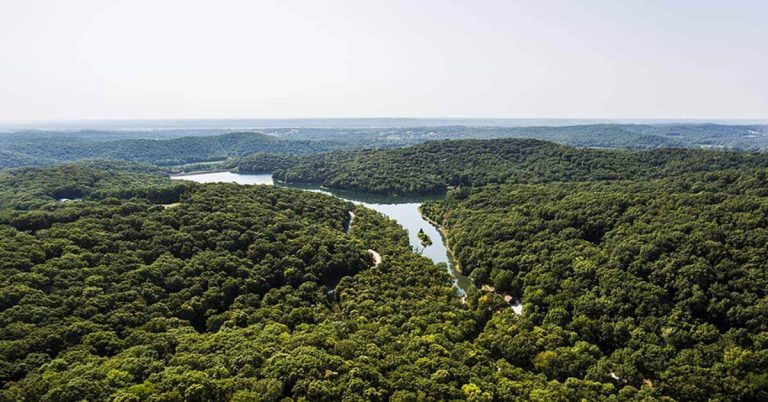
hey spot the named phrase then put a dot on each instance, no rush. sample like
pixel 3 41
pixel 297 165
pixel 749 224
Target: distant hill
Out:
pixel 737 137
pixel 433 166
pixel 746 137
pixel 37 150
pixel 177 147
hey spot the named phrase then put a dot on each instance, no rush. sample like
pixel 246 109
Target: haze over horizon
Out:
pixel 118 60
pixel 338 122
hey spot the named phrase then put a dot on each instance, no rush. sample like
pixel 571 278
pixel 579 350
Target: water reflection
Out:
pixel 405 210
pixel 226 177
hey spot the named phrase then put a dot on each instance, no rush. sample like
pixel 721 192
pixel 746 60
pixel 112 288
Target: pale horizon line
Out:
pixel 46 121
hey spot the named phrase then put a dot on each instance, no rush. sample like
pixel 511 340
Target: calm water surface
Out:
pixel 226 177
pixel 405 210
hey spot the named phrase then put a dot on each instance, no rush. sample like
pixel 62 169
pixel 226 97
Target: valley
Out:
pixel 572 273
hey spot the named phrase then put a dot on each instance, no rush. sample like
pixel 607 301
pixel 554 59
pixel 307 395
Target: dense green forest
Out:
pixel 224 296
pixel 47 149
pixel 434 166
pixel 663 281
pixel 649 265
pixel 38 187
pixel 642 274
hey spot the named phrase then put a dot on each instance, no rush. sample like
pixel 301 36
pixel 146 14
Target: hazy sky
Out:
pixel 104 59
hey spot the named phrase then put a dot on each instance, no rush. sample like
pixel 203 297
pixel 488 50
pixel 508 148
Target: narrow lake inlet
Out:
pixel 405 210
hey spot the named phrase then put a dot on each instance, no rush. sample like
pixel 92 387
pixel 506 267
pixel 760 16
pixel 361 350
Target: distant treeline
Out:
pixel 171 147
pixel 739 137
pixel 30 150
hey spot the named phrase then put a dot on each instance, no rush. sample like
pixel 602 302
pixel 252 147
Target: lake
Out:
pixel 405 210
pixel 226 177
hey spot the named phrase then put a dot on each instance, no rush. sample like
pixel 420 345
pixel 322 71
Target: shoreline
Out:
pixel 514 303
pixel 456 266
pixel 194 172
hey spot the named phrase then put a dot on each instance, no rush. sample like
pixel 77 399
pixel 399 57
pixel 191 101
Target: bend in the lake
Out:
pixel 404 210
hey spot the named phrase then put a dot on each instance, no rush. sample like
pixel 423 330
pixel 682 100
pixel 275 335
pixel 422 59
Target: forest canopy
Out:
pixel 434 166
pixel 663 279
pixel 642 276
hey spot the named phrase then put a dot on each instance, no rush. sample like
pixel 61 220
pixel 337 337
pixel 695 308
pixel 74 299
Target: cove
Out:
pixel 405 210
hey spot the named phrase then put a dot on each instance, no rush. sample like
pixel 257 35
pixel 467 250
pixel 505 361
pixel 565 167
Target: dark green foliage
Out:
pixel 264 162
pixel 104 283
pixel 19 151
pixel 643 276
pixel 29 188
pixel 434 166
pixel 225 297
pixel 424 238
pixel 654 280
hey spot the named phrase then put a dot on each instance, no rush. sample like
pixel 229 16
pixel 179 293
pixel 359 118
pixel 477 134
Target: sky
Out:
pixel 179 59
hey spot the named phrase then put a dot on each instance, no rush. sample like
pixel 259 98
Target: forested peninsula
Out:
pixel 433 167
